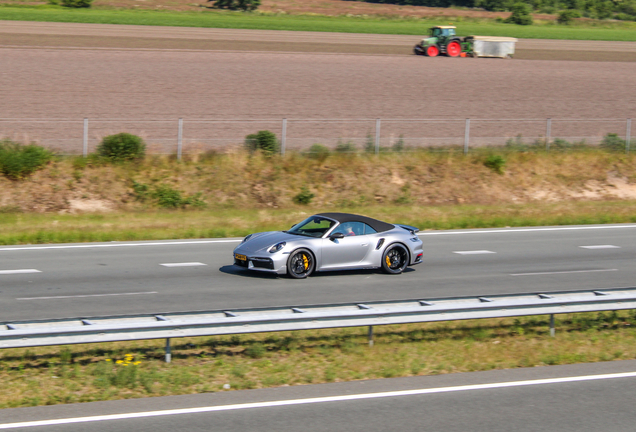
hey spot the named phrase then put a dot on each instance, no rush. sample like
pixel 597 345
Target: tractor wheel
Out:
pixel 453 49
pixel 432 51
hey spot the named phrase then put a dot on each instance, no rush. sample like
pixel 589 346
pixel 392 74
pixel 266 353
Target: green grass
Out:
pixel 83 373
pixel 33 228
pixel 237 20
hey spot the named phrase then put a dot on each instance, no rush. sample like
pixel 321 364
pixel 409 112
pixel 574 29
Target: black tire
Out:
pixel 395 259
pixel 300 264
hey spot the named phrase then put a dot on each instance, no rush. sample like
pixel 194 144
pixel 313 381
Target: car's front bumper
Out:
pixel 277 263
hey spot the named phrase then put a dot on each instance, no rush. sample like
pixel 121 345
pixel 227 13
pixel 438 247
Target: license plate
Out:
pixel 240 257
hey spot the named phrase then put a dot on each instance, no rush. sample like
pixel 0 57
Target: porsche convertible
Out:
pixel 331 241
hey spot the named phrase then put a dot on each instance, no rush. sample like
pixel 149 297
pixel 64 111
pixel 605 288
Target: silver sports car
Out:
pixel 331 241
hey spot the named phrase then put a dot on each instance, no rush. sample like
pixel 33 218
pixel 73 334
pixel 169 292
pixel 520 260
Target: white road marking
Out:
pixel 600 247
pixel 183 264
pixel 279 403
pixel 22 271
pixel 475 252
pixel 87 295
pixel 90 245
pixel 515 230
pixel 562 272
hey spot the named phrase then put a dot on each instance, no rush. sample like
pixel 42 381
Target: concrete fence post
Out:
pixel 466 135
pixel 370 336
pixel 548 134
pixel 283 138
pixel 377 136
pixel 85 142
pixel 180 139
pixel 168 351
pixel 628 135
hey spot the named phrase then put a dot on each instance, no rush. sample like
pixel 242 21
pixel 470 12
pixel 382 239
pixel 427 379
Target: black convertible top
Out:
pixel 377 225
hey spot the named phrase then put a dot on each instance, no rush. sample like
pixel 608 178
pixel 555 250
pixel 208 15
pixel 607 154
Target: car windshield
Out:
pixel 314 226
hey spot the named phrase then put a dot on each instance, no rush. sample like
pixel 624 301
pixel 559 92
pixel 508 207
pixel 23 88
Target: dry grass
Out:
pixel 83 373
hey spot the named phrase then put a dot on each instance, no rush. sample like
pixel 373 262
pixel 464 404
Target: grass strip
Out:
pixel 32 228
pixel 83 373
pixel 373 25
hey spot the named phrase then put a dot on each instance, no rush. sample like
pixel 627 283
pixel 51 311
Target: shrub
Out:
pixel 566 16
pixel 19 161
pixel 264 141
pixel 318 152
pixel 399 145
pixel 304 197
pixel 520 14
pixel 612 142
pixel 77 4
pixel 165 196
pixel 495 163
pixel 347 147
pixel 244 5
pixel 122 147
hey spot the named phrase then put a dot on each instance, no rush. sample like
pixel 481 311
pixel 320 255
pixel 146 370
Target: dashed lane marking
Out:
pixel 22 271
pixel 183 264
pixel 563 272
pixel 600 247
pixel 474 252
pixel 87 295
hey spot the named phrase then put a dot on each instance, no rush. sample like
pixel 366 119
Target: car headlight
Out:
pixel 414 239
pixel 246 238
pixel 277 247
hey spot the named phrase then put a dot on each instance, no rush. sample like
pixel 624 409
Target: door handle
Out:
pixel 364 244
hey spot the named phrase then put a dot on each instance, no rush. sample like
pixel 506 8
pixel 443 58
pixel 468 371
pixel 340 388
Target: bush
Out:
pixel 567 16
pixel 264 141
pixel 318 152
pixel 612 142
pixel 19 161
pixel 495 163
pixel 166 197
pixel 304 197
pixel 520 14
pixel 244 5
pixel 347 147
pixel 122 147
pixel 76 3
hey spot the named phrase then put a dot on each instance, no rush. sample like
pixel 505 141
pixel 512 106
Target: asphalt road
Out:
pixel 577 398
pixel 54 281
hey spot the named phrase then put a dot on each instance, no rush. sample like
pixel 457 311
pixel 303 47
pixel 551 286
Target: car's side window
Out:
pixel 368 230
pixel 354 229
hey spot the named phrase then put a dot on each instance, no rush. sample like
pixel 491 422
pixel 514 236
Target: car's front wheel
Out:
pixel 395 259
pixel 300 264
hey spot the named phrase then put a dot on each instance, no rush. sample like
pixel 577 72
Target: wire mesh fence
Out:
pixel 190 136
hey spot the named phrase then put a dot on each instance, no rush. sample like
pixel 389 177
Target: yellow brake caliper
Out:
pixel 305 261
pixel 388 261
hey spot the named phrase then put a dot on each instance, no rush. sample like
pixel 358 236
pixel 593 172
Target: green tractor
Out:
pixel 443 40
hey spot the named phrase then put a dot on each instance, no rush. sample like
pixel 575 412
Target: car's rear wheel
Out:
pixel 300 264
pixel 395 259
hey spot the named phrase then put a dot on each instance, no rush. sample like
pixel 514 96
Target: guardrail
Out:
pixel 21 334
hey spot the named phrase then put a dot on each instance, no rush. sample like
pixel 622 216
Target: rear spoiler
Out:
pixel 409 228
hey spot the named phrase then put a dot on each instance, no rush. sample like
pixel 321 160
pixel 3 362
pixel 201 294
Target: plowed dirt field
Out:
pixel 104 72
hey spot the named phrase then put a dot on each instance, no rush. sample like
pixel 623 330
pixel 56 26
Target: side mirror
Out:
pixel 336 236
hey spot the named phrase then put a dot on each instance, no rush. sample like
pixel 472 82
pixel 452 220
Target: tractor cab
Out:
pixel 442 31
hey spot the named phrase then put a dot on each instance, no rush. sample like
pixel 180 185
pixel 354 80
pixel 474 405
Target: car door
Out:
pixel 349 251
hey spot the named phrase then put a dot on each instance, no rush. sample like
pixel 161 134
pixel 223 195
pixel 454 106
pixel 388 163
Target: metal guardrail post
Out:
pixel 466 135
pixel 548 134
pixel 85 143
pixel 283 138
pixel 168 351
pixel 628 135
pixel 377 136
pixel 180 139
pixel 552 331
pixel 370 336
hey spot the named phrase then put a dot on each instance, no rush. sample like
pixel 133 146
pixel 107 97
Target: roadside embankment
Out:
pixel 216 195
